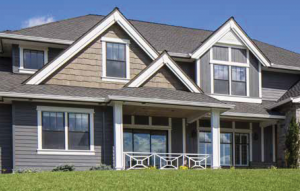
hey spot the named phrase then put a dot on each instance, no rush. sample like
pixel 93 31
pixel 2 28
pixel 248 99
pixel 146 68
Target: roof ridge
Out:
pixel 162 24
pixel 37 26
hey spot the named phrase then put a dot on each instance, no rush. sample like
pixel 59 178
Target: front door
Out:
pixel 241 149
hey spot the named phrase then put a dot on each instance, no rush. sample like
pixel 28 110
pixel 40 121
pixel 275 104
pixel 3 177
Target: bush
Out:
pixel 26 171
pixel 232 168
pixel 152 168
pixel 101 167
pixel 273 167
pixel 183 168
pixel 64 168
pixel 292 145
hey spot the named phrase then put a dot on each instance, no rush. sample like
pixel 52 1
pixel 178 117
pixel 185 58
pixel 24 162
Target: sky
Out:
pixel 276 22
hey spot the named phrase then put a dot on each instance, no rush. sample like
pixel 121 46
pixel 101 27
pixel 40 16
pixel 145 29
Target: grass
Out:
pixel 281 179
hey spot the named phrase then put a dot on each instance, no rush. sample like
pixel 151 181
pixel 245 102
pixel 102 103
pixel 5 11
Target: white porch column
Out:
pixel 118 135
pixel 215 131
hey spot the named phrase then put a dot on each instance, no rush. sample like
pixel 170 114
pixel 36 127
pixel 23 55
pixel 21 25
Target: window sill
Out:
pixel 27 71
pixel 112 79
pixel 64 152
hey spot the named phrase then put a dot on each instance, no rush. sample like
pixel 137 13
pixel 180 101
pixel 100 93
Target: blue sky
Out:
pixel 275 22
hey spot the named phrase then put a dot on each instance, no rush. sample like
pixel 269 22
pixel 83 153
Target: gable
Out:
pixel 230 32
pixel 164 78
pixel 85 69
pixel 114 17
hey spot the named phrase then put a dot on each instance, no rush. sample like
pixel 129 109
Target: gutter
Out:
pixel 171 102
pixel 253 115
pixel 284 67
pixel 34 38
pixel 292 99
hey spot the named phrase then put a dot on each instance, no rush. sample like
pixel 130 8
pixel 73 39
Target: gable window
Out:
pixel 230 70
pixel 115 59
pixel 65 130
pixel 32 59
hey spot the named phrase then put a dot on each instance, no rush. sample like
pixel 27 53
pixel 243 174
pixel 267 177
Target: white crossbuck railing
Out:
pixel 142 160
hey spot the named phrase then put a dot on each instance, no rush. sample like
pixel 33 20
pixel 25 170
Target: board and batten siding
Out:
pixel 26 139
pixel 85 69
pixel 275 84
pixel 5 138
pixel 205 72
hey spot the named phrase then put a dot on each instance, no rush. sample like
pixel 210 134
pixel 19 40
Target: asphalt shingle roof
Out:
pixel 294 91
pixel 163 37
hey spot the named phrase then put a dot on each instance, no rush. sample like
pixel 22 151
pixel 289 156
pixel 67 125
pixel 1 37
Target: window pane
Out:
pixel 128 141
pixel 53 135
pixel 220 53
pixel 33 59
pixel 141 142
pixel 238 88
pixel 79 136
pixel 221 72
pixel 116 69
pixel 221 86
pixel 238 74
pixel 121 52
pixel 109 51
pixel 239 55
pixel 225 137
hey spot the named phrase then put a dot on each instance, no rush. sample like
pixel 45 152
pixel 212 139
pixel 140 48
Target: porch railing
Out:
pixel 143 160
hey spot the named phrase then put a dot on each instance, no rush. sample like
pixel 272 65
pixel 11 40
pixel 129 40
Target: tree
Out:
pixel 292 144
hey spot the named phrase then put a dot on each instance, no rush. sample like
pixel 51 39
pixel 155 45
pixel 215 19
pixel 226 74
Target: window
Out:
pixel 65 129
pixel 53 130
pixel 32 59
pixel 205 144
pixel 230 68
pixel 221 79
pixel 241 149
pixel 238 81
pixel 79 131
pixel 115 54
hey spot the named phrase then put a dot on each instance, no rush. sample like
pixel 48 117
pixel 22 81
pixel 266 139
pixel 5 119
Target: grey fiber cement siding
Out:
pixel 5 138
pixel 26 140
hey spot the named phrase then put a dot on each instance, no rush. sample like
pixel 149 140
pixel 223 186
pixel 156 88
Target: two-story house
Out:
pixel 97 90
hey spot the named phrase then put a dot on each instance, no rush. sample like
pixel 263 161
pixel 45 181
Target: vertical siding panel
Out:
pixel 205 74
pixel 15 58
pixel 177 135
pixel 254 76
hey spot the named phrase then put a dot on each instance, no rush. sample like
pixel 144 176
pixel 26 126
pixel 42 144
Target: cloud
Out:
pixel 34 21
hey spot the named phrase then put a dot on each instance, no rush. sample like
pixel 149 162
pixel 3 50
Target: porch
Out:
pixel 168 137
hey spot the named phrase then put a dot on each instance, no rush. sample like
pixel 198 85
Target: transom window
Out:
pixel 32 59
pixel 65 129
pixel 115 59
pixel 230 68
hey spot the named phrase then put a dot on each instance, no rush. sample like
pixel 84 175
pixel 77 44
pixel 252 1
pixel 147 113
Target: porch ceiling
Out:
pixel 161 112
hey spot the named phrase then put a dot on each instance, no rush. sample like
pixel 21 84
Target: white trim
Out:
pixel 170 136
pixel 228 63
pixel 21 55
pixel 234 98
pixel 183 136
pixel 250 140
pixel 118 135
pixel 262 144
pixel 230 25
pixel 172 102
pixel 64 152
pixel 260 80
pixel 114 17
pixel 198 77
pixel 285 67
pixel 274 143
pixel 248 82
pixel 215 133
pixel 154 127
pixel 65 110
pixel 35 38
pixel 127 55
pixel 164 59
pixel 253 115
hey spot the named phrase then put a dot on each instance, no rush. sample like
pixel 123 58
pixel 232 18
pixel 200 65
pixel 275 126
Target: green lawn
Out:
pixel 155 180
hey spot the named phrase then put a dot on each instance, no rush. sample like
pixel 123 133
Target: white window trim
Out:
pixel 105 40
pixel 21 50
pixel 65 151
pixel 230 63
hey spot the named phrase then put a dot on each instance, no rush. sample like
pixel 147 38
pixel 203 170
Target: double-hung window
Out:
pixel 115 59
pixel 32 59
pixel 230 67
pixel 65 130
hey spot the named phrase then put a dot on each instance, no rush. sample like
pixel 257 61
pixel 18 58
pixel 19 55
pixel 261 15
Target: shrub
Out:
pixel 64 168
pixel 292 144
pixel 26 171
pixel 183 168
pixel 152 168
pixel 273 167
pixel 232 168
pixel 101 167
